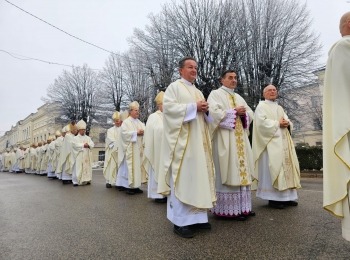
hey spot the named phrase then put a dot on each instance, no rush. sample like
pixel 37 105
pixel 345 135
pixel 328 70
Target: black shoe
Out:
pixel 75 185
pixel 66 181
pixel 88 183
pixel 120 188
pixel 251 214
pixel 184 231
pixel 201 226
pixel 290 203
pixel 162 200
pixel 137 190
pixel 276 204
pixel 130 192
pixel 240 218
pixel 108 185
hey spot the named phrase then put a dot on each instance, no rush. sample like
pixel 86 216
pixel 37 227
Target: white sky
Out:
pixel 106 23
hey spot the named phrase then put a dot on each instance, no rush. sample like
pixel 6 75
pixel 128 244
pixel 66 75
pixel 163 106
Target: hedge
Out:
pixel 310 158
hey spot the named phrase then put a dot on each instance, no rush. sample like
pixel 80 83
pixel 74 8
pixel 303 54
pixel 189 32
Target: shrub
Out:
pixel 310 158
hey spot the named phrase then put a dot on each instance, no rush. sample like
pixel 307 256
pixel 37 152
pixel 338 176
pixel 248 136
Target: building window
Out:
pixel 101 155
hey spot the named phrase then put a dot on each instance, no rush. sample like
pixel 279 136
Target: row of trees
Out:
pixel 265 41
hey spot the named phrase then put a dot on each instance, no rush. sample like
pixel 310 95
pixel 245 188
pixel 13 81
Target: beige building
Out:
pixel 38 126
pixel 304 106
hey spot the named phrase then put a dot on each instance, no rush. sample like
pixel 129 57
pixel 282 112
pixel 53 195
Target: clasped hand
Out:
pixel 202 106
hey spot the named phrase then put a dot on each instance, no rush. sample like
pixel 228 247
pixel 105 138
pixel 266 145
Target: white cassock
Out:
pixel 82 168
pixel 44 160
pixel 232 153
pixel 130 152
pixel 33 159
pixel 66 161
pixel 336 134
pixel 111 155
pixel 275 160
pixel 187 169
pixel 13 161
pixel 58 149
pixel 50 153
pixel 7 162
pixel 27 157
pixel 151 162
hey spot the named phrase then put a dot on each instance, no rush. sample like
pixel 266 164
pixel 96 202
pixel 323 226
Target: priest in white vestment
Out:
pixel 130 152
pixel 44 158
pixel 66 161
pixel 110 167
pixel 50 153
pixel 336 129
pixel 7 160
pixel 152 140
pixel 58 150
pixel 34 158
pixel 13 160
pixel 82 145
pixel 275 160
pixel 187 170
pixel 39 157
pixel 232 152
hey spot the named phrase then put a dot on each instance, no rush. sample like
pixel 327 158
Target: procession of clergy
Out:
pixel 65 156
pixel 194 154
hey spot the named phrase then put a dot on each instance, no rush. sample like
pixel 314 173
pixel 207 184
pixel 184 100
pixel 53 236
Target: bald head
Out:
pixel 344 24
pixel 270 92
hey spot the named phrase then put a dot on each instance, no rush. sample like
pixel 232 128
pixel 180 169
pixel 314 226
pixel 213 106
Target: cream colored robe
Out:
pixel 234 151
pixel 7 161
pixel 82 158
pixel 186 149
pixel 283 161
pixel 58 148
pixel 33 160
pixel 132 152
pixel 44 159
pixel 152 140
pixel 336 129
pixel 111 155
pixel 66 156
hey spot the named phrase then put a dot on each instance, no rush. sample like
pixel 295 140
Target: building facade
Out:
pixel 37 127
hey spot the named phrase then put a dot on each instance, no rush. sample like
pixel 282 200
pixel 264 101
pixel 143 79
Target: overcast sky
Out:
pixel 106 23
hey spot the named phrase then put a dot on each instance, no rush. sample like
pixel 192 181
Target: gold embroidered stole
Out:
pixel 239 134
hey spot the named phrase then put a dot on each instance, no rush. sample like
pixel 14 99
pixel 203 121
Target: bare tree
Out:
pixel 111 81
pixel 77 94
pixel 265 41
pixel 137 84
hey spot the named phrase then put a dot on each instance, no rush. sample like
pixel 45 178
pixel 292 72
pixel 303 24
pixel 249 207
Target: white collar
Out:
pixel 187 82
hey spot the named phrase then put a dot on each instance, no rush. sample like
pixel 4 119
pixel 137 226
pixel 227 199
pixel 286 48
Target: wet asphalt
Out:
pixel 44 219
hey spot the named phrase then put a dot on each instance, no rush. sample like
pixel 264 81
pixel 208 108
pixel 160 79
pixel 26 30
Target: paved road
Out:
pixel 43 219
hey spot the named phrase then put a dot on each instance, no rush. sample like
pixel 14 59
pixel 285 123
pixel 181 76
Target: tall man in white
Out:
pixel 130 151
pixel 66 161
pixel 82 145
pixel 233 157
pixel 336 129
pixel 187 164
pixel 111 153
pixel 152 139
pixel 275 160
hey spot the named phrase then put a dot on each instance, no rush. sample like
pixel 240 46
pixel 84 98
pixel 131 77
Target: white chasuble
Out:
pixel 111 155
pixel 186 149
pixel 277 142
pixel 82 170
pixel 336 133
